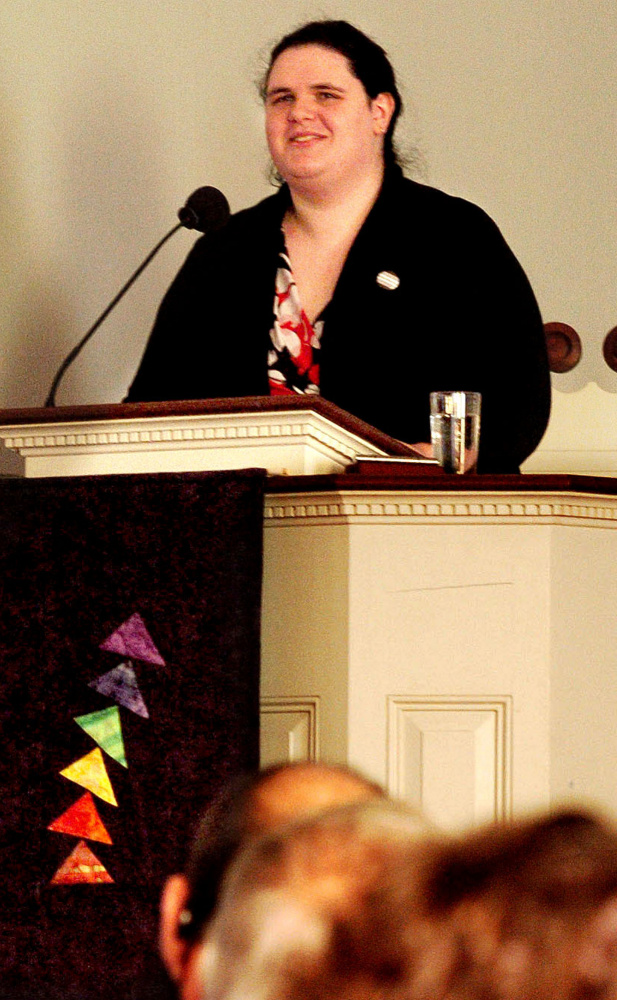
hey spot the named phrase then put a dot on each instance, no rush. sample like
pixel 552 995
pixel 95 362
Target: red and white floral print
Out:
pixel 293 361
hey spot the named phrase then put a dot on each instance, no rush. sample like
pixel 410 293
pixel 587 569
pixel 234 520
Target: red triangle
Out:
pixel 82 820
pixel 81 866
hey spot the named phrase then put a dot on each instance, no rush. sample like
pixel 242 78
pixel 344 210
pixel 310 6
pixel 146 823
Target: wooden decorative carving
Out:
pixel 609 349
pixel 563 345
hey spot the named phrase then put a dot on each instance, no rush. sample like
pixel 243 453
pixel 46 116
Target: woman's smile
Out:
pixel 306 138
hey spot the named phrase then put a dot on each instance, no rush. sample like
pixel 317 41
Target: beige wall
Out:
pixel 113 113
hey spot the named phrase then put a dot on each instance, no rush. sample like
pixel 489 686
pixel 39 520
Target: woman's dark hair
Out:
pixel 367 61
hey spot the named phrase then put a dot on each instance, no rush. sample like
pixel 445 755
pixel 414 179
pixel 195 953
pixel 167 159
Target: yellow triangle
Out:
pixel 90 773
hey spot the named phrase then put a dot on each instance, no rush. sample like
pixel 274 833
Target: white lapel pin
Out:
pixel 389 280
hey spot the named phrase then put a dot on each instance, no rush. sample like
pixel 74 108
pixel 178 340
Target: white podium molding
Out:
pixel 285 435
pixel 423 506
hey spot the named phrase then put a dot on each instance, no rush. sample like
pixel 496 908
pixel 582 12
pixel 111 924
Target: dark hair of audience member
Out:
pixel 525 910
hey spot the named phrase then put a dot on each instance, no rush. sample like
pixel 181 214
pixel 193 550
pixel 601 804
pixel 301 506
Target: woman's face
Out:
pixel 320 124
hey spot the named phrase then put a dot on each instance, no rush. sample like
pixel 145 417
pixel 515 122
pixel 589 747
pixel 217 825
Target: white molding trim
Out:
pixel 304 711
pixel 395 507
pixel 471 736
pixel 282 441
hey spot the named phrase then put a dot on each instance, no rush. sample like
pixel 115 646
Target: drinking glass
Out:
pixel 455 430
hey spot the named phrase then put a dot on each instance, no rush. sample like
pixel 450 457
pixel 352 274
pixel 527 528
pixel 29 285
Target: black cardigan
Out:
pixel 463 317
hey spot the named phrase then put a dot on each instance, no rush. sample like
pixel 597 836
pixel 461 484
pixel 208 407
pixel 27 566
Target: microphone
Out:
pixel 205 210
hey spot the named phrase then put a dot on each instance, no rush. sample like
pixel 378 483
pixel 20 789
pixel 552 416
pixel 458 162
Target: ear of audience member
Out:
pixel 249 806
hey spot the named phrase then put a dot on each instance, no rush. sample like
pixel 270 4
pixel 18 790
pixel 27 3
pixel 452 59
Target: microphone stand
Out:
pixel 51 398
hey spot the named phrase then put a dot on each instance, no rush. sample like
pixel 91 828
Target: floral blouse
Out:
pixel 293 358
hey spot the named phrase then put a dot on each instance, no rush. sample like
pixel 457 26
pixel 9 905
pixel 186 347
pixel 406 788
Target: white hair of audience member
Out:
pixel 313 909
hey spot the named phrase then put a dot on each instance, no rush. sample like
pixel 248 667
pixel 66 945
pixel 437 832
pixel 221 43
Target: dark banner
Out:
pixel 129 692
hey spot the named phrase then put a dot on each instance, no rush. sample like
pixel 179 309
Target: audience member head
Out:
pixel 249 806
pixel 352 904
pixel 521 911
pixel 318 910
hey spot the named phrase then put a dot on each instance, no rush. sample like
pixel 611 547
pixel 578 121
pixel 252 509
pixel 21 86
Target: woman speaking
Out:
pixel 353 281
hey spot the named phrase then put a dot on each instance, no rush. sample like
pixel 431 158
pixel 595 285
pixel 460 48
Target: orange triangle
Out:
pixel 90 773
pixel 81 866
pixel 82 820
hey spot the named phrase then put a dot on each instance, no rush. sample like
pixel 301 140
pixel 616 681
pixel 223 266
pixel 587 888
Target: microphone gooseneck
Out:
pixel 205 210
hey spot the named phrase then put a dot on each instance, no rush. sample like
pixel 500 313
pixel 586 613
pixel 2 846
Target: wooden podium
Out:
pixel 453 637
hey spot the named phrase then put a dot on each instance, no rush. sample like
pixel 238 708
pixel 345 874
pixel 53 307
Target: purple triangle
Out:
pixel 120 684
pixel 132 639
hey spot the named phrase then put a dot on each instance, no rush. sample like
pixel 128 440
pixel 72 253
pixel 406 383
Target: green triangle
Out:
pixel 105 729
